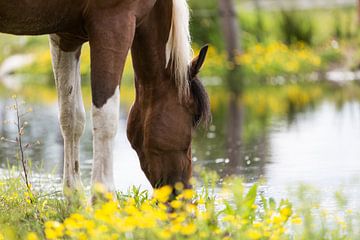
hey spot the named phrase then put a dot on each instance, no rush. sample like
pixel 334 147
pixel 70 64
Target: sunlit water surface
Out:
pixel 319 147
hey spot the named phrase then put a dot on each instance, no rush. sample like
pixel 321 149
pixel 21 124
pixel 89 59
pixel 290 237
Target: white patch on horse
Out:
pixel 105 125
pixel 66 66
pixel 178 48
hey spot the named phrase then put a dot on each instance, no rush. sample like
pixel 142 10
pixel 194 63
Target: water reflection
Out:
pixel 319 146
pixel 234 134
pixel 232 147
pixel 246 158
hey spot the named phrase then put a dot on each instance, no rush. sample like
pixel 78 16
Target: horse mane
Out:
pixel 202 103
pixel 178 57
pixel 178 47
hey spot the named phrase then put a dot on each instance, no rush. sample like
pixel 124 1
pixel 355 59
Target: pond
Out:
pixel 319 146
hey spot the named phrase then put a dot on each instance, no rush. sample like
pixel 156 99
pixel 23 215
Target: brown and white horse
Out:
pixel 170 100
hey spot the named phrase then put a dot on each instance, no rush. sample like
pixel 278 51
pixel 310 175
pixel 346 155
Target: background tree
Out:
pixel 358 3
pixel 231 33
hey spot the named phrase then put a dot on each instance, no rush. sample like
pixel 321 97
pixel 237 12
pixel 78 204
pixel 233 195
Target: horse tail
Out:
pixel 178 48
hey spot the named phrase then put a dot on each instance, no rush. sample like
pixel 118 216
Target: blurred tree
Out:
pixel 205 24
pixel 231 36
pixel 296 27
pixel 358 8
pixel 259 22
pixel 231 33
pixel 230 28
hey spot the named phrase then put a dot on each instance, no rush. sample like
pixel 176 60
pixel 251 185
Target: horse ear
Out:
pixel 198 62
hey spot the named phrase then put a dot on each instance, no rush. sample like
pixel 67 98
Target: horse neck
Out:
pixel 149 47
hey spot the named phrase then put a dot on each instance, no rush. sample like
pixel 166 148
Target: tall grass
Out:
pixel 229 212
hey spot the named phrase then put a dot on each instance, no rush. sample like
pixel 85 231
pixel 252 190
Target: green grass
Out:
pixel 234 212
pixel 327 23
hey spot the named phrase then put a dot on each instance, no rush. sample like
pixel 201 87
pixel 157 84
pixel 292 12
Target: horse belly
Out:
pixel 35 17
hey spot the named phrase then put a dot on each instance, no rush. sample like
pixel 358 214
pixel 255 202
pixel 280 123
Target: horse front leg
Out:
pixel 66 66
pixel 110 41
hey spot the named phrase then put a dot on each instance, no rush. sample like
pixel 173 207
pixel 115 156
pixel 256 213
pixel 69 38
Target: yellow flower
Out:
pixel 190 208
pixel 131 210
pixel 258 224
pixel 180 218
pixel 31 236
pixel 275 237
pixel 146 222
pixel 164 234
pixel 54 230
pixel 176 204
pixel 267 233
pixel 286 212
pixel 50 233
pixel 204 234
pixel 69 223
pixel 296 221
pixel 244 221
pixel 188 229
pixel 254 234
pixel 277 220
pixel 204 216
pixel 163 194
pixel 123 226
pixel 103 229
pixel 217 231
pixel 160 215
pixel 77 217
pixel 175 228
pixel 89 225
pixel 349 211
pixel 114 236
pixel 109 196
pixel 230 219
pixel 82 236
pixel 179 186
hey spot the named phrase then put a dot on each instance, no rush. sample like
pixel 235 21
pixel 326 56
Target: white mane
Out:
pixel 178 47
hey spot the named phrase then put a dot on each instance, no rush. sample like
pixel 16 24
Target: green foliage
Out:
pixel 256 27
pixel 331 55
pixel 231 212
pixel 18 215
pixel 205 23
pixel 345 26
pixel 266 61
pixel 296 27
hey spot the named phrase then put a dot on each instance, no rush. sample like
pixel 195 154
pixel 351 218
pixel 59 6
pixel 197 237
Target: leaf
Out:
pixel 264 202
pixel 272 204
pixel 251 195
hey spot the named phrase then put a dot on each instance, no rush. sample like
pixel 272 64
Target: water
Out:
pixel 320 147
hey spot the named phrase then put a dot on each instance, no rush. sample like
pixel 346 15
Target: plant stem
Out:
pixel 21 149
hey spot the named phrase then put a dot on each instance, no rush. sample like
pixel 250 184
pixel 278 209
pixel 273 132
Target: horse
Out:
pixel 170 100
